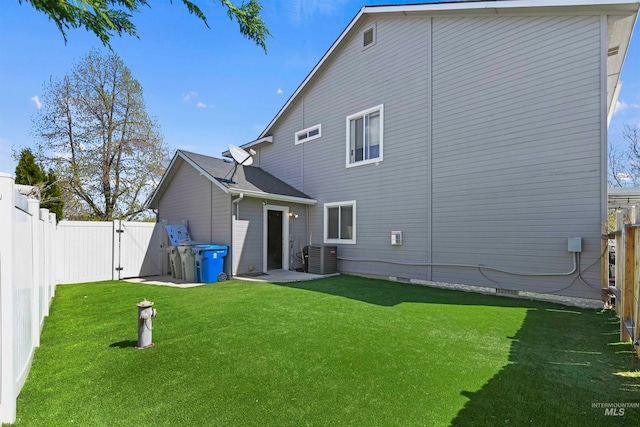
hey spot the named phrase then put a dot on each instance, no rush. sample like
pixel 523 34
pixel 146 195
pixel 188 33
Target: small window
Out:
pixel 340 222
pixel 369 37
pixel 308 134
pixel 364 136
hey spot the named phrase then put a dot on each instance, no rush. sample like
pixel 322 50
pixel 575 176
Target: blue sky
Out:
pixel 208 88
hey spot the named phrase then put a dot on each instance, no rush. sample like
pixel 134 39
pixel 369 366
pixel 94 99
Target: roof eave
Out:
pixel 256 143
pixel 272 196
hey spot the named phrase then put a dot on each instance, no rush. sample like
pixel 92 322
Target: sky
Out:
pixel 207 88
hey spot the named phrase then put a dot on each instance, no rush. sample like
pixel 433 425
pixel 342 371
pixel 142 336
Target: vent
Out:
pixel 510 292
pixel 368 37
pixel 323 259
pixel 613 51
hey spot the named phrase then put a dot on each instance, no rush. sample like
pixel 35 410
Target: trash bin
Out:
pixel 176 264
pixel 188 262
pixel 180 240
pixel 209 263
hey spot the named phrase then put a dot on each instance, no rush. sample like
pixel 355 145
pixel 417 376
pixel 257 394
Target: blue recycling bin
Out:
pixel 210 263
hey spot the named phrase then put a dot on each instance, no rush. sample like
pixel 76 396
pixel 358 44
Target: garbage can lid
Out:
pixel 145 304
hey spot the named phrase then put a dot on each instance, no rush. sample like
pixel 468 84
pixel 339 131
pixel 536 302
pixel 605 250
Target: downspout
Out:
pixel 235 201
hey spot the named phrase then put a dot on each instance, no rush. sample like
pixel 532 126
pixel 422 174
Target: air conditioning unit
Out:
pixel 323 259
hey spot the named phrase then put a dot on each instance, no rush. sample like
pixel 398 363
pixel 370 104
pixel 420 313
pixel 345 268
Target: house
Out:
pixel 474 133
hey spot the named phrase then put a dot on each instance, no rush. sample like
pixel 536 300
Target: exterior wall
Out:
pixel 501 160
pixel 356 80
pixel 190 196
pixel 248 234
pixel 523 173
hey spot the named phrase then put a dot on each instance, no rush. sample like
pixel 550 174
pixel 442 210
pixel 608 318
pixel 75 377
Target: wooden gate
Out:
pixel 626 272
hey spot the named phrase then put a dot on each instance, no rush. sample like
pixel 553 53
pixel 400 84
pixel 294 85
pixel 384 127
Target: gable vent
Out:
pixel 367 37
pixel 613 50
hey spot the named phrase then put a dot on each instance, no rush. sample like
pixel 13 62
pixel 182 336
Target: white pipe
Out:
pixel 236 201
pixel 479 266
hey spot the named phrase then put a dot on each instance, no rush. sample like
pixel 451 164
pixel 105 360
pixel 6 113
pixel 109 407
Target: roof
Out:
pixel 621 198
pixel 249 181
pixel 620 31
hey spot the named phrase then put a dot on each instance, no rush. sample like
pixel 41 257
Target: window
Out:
pixel 364 137
pixel 308 134
pixel 340 222
pixel 369 36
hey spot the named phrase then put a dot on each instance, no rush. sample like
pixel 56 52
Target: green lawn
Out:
pixel 331 352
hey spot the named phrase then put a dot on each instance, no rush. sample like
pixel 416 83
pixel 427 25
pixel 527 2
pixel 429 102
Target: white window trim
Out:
pixel 378 159
pixel 375 36
pixel 351 203
pixel 306 131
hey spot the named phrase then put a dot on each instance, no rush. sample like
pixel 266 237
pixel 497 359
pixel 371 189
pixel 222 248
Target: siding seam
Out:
pixel 429 147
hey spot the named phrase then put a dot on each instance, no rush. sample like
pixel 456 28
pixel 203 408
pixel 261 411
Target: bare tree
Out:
pixel 624 162
pixel 94 132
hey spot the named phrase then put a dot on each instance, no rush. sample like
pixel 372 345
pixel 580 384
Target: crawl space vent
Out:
pixel 511 292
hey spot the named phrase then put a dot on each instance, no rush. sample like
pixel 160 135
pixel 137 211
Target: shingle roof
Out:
pixel 246 178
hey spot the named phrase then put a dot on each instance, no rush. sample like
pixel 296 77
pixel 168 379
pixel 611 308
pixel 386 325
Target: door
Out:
pixel 275 238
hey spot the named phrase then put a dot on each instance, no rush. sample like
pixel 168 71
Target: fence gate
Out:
pixel 137 249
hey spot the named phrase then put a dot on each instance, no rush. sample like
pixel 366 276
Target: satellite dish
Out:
pixel 240 156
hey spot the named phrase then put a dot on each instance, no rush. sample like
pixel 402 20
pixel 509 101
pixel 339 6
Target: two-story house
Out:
pixel 477 130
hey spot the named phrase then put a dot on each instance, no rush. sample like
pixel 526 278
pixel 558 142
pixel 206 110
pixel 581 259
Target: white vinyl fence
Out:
pixel 36 254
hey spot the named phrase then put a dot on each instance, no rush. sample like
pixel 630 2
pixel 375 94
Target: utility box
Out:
pixel 323 259
pixel 574 244
pixel 396 238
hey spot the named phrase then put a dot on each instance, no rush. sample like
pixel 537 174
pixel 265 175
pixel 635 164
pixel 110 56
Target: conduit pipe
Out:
pixel 478 266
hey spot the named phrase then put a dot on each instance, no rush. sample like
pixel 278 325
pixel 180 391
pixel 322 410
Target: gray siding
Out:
pixel 514 136
pixel 356 80
pixel 248 234
pixel 523 173
pixel 190 196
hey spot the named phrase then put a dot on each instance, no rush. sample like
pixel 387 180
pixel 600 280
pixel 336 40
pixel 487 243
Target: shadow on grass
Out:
pixel 564 362
pixel 389 294
pixel 562 365
pixel 124 344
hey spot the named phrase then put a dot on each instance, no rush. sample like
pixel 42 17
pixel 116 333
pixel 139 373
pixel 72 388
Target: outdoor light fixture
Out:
pixel 293 215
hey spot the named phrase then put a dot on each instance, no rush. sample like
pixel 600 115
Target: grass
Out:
pixel 337 351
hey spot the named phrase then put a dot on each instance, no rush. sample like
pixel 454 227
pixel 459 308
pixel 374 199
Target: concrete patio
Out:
pixel 273 276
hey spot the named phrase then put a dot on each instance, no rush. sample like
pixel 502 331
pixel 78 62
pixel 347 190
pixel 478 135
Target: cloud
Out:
pixel 36 101
pixel 279 91
pixel 635 105
pixel 201 105
pixel 624 177
pixel 620 105
pixel 187 96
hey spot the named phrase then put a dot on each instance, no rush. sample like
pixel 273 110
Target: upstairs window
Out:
pixel 308 134
pixel 340 222
pixel 364 136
